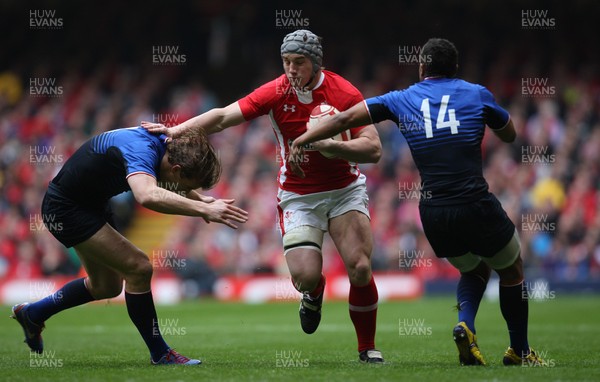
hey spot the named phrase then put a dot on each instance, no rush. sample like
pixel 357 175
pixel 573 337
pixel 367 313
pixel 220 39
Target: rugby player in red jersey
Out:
pixel 316 194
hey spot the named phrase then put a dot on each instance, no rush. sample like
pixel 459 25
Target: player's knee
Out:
pixel 511 275
pixel 305 280
pixel 359 270
pixel 482 270
pixel 101 290
pixel 111 290
pixel 114 290
pixel 141 271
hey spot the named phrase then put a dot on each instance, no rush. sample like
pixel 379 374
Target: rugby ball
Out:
pixel 321 112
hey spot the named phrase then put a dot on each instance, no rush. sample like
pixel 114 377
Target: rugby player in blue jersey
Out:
pixel 443 120
pixel 76 204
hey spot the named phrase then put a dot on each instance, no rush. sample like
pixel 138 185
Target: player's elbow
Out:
pixel 375 153
pixel 507 136
pixel 145 198
pixel 513 135
pixel 218 118
pixel 221 119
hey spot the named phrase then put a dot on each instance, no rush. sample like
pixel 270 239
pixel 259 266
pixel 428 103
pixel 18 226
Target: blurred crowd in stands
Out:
pixel 548 180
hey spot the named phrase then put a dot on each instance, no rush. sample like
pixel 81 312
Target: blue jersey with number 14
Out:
pixel 443 121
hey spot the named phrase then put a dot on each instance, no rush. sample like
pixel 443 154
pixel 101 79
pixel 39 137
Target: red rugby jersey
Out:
pixel 289 110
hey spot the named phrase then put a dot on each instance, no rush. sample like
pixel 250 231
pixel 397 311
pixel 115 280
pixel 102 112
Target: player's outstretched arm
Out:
pixel 356 116
pixel 147 193
pixel 212 121
pixel 508 133
pixel 365 147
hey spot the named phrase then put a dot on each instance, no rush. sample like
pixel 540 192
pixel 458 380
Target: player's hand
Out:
pixel 323 144
pixel 294 160
pixel 299 141
pixel 159 128
pixel 195 195
pixel 223 211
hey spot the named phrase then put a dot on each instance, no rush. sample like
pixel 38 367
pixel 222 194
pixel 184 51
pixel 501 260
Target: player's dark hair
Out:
pixel 196 156
pixel 440 58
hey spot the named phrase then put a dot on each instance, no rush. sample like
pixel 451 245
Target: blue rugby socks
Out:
pixel 469 293
pixel 515 310
pixel 142 312
pixel 70 295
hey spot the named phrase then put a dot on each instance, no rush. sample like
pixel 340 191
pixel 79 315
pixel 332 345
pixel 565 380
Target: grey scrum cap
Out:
pixel 306 43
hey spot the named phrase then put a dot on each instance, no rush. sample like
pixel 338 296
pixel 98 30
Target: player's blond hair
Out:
pixel 196 156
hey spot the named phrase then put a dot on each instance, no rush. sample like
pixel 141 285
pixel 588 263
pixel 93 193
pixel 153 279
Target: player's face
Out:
pixel 171 179
pixel 298 69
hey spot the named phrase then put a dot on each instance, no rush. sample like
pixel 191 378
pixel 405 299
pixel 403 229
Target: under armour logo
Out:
pixel 291 108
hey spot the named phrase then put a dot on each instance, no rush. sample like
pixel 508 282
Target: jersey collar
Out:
pixel 321 79
pixel 163 138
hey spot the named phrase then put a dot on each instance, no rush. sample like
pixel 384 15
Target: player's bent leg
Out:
pixel 111 249
pixel 474 277
pixel 302 251
pixel 351 233
pixel 305 266
pixel 303 256
pixel 102 282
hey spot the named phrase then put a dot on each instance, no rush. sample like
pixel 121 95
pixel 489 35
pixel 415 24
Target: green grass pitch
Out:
pixel 240 342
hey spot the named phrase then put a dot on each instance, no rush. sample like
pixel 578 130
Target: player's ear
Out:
pixel 176 170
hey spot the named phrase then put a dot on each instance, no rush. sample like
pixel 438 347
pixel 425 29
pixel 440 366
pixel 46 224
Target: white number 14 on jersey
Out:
pixel 452 122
